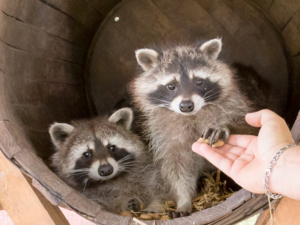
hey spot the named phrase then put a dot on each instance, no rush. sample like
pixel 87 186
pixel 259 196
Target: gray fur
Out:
pixel 171 134
pixel 142 180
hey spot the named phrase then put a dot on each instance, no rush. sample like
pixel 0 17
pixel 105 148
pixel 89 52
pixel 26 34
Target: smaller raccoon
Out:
pixel 107 163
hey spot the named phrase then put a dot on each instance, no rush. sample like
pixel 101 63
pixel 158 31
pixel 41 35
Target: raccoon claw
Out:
pixel 214 135
pixel 175 214
pixel 134 205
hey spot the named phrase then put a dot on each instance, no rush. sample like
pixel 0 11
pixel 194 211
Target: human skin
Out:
pixel 245 158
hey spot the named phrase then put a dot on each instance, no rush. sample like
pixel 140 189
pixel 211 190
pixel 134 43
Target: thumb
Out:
pixel 259 118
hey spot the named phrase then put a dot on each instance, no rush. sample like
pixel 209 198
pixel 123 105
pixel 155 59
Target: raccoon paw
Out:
pixel 215 134
pixel 134 205
pixel 176 214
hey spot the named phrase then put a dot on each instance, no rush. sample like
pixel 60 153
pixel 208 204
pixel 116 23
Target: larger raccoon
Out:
pixel 185 92
pixel 106 162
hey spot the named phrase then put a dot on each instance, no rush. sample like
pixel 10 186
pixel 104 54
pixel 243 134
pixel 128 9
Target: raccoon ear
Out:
pixel 212 48
pixel 59 132
pixel 123 117
pixel 146 58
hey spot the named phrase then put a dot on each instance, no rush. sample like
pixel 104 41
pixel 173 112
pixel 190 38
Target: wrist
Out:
pixel 283 172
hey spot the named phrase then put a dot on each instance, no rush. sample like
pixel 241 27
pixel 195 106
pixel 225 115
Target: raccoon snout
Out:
pixel 105 170
pixel 186 106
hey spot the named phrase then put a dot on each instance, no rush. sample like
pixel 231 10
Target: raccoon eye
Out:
pixel 200 82
pixel 87 154
pixel 171 87
pixel 112 148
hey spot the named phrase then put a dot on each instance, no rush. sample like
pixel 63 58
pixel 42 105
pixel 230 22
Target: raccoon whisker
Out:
pixel 80 174
pixel 85 183
pixel 146 167
pixel 80 170
pixel 125 158
pixel 122 169
pixel 127 166
pixel 126 163
pixel 127 171
pixel 168 102
pixel 212 95
pixel 208 92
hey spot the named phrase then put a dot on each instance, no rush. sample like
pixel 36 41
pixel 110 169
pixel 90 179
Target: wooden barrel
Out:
pixel 66 60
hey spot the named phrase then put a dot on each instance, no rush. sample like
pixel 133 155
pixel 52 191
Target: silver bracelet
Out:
pixel 268 172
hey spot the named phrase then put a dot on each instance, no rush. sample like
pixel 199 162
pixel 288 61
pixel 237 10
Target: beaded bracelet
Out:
pixel 268 172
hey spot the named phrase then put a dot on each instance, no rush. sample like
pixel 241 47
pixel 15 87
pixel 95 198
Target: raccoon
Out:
pixel 185 92
pixel 109 164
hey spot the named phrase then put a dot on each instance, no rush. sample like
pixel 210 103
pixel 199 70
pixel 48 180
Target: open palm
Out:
pixel 245 157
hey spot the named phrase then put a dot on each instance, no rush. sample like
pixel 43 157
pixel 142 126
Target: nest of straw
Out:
pixel 214 192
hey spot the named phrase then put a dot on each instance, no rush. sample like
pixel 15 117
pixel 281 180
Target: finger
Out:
pixel 242 141
pixel 218 160
pixel 257 119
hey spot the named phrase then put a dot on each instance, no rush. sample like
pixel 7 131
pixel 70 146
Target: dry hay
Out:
pixel 213 193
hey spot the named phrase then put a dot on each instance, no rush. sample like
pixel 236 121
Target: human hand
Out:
pixel 246 157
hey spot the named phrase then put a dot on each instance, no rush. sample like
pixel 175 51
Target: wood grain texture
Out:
pixel 41 173
pixel 7 143
pixel 265 5
pixel 282 11
pixel 79 11
pixel 104 6
pixel 38 68
pixel 291 34
pixel 82 204
pixel 38 42
pixel 57 24
pixel 107 218
pixel 24 204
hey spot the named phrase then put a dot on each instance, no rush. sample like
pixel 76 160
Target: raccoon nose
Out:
pixel 186 106
pixel 105 170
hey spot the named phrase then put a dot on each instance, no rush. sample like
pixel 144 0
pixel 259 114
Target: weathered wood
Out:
pixel 24 204
pixel 56 23
pixel 282 11
pixel 291 34
pixel 33 67
pixel 50 46
pixel 7 143
pixel 264 5
pixel 104 6
pixel 78 10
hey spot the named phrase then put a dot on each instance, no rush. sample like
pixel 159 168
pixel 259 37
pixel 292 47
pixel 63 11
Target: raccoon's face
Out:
pixel 182 79
pixel 97 150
